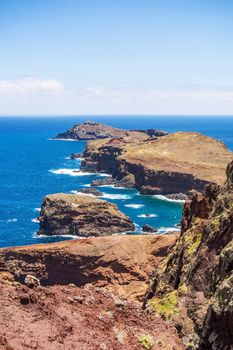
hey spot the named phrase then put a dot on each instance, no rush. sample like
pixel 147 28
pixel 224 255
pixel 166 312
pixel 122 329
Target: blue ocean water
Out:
pixel 31 166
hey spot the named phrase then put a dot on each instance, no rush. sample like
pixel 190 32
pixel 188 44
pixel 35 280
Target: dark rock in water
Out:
pixel 92 191
pixel 102 182
pixel 109 181
pixel 148 228
pixel 177 196
pixel 76 155
pixel 149 190
pixel 69 214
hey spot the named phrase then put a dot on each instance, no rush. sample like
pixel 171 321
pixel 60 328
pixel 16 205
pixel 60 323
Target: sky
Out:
pixel 155 57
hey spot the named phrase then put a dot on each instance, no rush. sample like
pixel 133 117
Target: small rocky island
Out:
pixel 81 215
pixel 91 130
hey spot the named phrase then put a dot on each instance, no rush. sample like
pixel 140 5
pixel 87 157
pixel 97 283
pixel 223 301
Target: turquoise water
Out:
pixel 31 164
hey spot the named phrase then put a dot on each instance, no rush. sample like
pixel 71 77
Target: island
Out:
pixel 81 215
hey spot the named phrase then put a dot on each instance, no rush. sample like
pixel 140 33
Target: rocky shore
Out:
pixel 81 215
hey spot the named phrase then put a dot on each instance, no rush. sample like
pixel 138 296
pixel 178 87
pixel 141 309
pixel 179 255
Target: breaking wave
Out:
pixel 134 206
pixel 164 198
pixel 115 196
pixel 146 216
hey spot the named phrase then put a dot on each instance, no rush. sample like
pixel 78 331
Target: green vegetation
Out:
pixel 167 305
pixel 146 341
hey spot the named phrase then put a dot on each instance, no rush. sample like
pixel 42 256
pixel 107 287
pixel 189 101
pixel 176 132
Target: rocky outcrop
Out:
pixel 193 287
pixel 176 163
pixel 81 215
pixel 92 191
pixel 90 130
pixel 148 228
pixel 120 264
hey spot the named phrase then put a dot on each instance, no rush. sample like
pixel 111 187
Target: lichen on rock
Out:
pixel 196 278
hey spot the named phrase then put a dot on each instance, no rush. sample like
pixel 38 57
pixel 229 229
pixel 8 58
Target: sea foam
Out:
pixel 83 194
pixel 115 196
pixel 164 198
pixel 12 220
pixel 168 229
pixel 146 216
pixel 134 206
pixel 70 172
pixel 36 220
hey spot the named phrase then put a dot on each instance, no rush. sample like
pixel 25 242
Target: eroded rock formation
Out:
pixel 81 215
pixel 120 263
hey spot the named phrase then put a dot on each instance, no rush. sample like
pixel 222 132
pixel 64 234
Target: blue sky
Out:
pixel 116 57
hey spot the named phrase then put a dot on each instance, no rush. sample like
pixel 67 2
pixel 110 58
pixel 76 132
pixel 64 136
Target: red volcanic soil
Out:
pixel 69 317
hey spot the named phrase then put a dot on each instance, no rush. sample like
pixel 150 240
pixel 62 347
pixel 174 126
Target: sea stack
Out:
pixel 81 215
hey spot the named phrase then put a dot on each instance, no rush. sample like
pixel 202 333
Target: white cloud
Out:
pixel 30 86
pixel 49 97
pixel 160 95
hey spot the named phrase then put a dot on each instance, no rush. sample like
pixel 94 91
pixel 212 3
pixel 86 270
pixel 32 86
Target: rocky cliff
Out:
pixel 81 215
pixel 120 263
pixel 193 287
pixel 176 163
pixel 90 130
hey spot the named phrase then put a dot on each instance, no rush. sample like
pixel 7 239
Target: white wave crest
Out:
pixel 147 216
pixel 168 229
pixel 115 196
pixel 68 140
pixel 83 194
pixel 12 220
pixel 70 172
pixel 164 198
pixel 37 209
pixel 112 186
pixel 134 206
pixel 35 235
pixel 36 220
pixel 103 174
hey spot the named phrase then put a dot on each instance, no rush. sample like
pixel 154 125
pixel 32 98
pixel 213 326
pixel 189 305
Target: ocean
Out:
pixel 33 165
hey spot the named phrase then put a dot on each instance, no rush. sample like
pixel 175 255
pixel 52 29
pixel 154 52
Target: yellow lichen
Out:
pixel 167 305
pixel 192 248
pixel 183 289
pixel 146 341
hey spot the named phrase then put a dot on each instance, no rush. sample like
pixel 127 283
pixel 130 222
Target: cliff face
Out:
pixel 72 295
pixel 180 162
pixel 193 287
pixel 81 215
pixel 119 263
pixel 91 131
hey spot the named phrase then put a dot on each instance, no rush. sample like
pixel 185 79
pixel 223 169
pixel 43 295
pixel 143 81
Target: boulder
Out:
pixel 92 191
pixel 148 228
